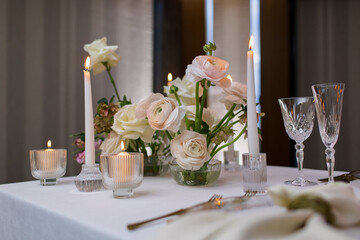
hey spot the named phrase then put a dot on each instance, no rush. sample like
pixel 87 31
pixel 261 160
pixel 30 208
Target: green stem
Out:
pixel 228 144
pixel 197 103
pixel 143 148
pixel 224 118
pixel 186 118
pixel 203 100
pixel 108 68
pixel 168 135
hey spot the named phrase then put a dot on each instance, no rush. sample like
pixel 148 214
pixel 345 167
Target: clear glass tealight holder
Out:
pixel 122 172
pixel 254 172
pixel 48 165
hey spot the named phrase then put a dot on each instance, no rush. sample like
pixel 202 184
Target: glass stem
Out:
pixel 330 162
pixel 300 159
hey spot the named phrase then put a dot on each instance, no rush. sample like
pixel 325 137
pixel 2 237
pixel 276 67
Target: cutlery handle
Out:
pixel 134 226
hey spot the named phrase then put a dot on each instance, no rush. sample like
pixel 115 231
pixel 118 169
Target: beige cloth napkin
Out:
pixel 275 222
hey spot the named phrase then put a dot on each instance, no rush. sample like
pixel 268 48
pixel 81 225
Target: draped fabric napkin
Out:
pixel 276 222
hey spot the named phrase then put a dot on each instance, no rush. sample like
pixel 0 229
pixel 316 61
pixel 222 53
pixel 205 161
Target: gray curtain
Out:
pixel 41 62
pixel 327 50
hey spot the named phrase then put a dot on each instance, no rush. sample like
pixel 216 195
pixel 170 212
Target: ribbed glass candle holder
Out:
pixel 122 172
pixel 48 165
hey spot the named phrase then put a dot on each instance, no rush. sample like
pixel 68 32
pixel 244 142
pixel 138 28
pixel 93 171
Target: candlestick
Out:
pixel 89 118
pixel 89 179
pixel 253 139
pixel 48 164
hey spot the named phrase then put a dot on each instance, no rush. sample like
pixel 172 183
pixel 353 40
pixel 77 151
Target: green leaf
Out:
pixel 103 100
pixel 112 98
pixel 205 128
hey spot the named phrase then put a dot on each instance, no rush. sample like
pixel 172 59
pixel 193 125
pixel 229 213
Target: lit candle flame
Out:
pixel 170 77
pixel 87 63
pixel 49 144
pixel 251 42
pixel 218 201
pixel 122 146
pixel 229 77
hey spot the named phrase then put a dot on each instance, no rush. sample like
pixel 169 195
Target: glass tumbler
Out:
pixel 122 172
pixel 48 165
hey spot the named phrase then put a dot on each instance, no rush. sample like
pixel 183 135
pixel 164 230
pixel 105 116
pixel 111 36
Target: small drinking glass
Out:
pixel 328 102
pixel 298 114
pixel 122 172
pixel 254 172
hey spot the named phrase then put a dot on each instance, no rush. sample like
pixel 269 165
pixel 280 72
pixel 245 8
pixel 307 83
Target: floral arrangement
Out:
pixel 196 132
pixel 115 119
pixel 178 123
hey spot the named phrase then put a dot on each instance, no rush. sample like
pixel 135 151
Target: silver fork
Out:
pixel 134 226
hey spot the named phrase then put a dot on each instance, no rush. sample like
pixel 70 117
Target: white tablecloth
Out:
pixel 30 211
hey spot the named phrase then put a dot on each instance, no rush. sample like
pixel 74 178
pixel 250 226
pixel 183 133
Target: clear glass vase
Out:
pixel 204 176
pixel 156 165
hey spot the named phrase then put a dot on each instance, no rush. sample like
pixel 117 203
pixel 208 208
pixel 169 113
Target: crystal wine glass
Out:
pixel 298 115
pixel 328 102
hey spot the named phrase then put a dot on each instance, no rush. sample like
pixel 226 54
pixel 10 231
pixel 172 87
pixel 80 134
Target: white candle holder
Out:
pixel 122 172
pixel 89 179
pixel 48 165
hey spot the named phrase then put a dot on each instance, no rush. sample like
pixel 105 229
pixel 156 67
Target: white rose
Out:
pixel 165 114
pixel 190 150
pixel 145 103
pixel 209 116
pixel 111 145
pixel 127 125
pixel 100 52
pixel 186 91
pixel 236 93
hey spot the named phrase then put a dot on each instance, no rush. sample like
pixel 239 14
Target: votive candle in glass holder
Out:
pixel 48 164
pixel 122 172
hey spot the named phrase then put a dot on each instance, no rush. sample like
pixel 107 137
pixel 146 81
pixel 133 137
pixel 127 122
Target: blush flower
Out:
pixel 100 52
pixel 190 150
pixel 80 157
pixel 236 93
pixel 163 113
pixel 209 67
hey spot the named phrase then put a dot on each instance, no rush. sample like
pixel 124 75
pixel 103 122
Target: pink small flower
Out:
pixel 210 68
pixel 80 157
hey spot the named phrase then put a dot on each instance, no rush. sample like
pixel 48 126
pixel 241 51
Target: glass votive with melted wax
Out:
pixel 48 165
pixel 122 172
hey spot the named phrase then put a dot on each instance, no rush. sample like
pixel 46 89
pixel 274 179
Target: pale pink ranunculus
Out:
pixel 236 93
pixel 190 150
pixel 209 67
pixel 165 114
pixel 145 103
pixel 80 157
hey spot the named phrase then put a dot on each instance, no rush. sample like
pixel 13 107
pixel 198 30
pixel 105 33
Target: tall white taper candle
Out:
pixel 89 118
pixel 253 139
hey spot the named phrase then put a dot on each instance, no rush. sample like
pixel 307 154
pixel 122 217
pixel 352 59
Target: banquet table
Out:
pixel 30 211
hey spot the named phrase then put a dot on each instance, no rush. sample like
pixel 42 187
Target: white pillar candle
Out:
pixel 89 118
pixel 253 139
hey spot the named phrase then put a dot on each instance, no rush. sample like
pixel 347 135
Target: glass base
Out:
pixel 89 179
pixel 299 182
pixel 123 193
pixel 48 182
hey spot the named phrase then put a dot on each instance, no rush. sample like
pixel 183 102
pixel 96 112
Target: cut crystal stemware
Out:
pixel 298 115
pixel 328 102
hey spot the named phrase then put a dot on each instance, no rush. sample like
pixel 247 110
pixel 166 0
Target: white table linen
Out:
pixel 30 211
